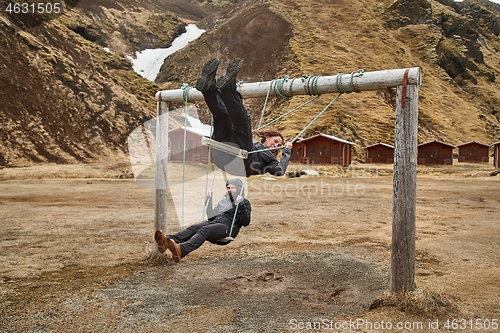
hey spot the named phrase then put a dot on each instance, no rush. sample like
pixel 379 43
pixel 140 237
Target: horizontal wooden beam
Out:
pixel 313 85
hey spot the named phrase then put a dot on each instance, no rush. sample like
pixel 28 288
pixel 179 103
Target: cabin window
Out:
pixel 190 144
pixel 473 151
pixel 381 153
pixel 313 150
pixel 434 153
pixel 178 145
pixel 324 150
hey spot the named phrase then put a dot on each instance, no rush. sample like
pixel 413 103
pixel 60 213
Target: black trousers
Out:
pixel 232 125
pixel 193 237
pixel 232 122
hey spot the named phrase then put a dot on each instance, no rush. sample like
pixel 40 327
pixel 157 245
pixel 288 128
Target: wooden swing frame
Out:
pixel 406 81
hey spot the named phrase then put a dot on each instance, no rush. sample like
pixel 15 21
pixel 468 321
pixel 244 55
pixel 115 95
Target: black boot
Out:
pixel 232 70
pixel 207 78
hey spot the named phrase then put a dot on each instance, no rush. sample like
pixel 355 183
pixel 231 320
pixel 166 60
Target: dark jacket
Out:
pixel 265 161
pixel 224 213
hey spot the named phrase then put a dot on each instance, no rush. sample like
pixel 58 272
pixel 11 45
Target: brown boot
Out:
pixel 159 236
pixel 175 249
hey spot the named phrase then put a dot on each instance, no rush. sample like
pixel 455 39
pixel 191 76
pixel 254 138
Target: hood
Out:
pixel 238 184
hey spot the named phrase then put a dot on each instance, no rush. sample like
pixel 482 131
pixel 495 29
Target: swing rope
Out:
pixel 207 172
pixel 264 107
pixel 286 114
pixel 315 118
pixel 277 87
pixel 185 93
pixel 311 87
pixel 303 130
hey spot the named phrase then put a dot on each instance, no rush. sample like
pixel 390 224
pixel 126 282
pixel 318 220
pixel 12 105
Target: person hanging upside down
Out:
pixel 232 125
pixel 219 224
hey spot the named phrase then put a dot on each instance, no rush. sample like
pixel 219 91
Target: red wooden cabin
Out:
pixel 322 149
pixel 435 152
pixel 473 152
pixel 380 153
pixel 195 151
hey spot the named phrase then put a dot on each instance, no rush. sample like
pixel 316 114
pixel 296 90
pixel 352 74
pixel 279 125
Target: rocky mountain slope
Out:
pixel 64 99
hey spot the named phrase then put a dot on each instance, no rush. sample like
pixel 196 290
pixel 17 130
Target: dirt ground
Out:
pixel 77 255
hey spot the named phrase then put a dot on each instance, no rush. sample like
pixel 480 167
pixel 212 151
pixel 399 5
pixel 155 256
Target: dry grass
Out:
pixel 111 170
pixel 421 303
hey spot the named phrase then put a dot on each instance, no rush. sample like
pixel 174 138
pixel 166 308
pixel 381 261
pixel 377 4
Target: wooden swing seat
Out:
pixel 223 241
pixel 224 147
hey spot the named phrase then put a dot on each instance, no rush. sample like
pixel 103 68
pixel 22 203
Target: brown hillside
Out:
pixel 64 99
pixel 456 45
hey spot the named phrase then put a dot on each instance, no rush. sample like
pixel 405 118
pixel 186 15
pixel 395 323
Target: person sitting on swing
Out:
pixel 232 124
pixel 225 220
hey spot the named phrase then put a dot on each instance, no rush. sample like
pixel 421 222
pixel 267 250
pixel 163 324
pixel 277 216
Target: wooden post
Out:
pixel 160 215
pixel 405 190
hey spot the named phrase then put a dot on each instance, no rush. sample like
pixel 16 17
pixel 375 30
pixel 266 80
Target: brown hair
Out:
pixel 272 131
